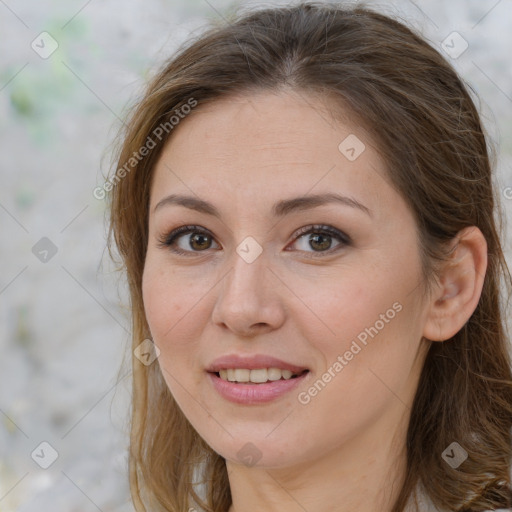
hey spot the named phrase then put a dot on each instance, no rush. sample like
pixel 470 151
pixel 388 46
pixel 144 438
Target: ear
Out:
pixel 461 281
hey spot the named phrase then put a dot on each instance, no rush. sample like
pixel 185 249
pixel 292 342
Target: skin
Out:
pixel 343 449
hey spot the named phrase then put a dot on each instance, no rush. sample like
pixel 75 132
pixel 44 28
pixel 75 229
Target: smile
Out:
pixel 256 376
pixel 248 392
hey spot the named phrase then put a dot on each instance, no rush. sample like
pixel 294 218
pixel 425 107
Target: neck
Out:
pixel 363 474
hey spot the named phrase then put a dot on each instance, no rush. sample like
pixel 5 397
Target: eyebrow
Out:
pixel 280 209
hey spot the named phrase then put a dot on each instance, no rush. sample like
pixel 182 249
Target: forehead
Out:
pixel 259 122
pixel 268 144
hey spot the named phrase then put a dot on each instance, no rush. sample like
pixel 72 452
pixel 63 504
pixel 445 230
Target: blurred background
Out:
pixel 68 71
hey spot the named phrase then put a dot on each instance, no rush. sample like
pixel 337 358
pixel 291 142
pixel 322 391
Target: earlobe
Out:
pixel 461 282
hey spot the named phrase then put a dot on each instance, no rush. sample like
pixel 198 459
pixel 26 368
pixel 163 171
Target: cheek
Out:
pixel 347 306
pixel 366 365
pixel 161 305
pixel 170 316
pixel 170 299
pixel 371 319
pixel 177 304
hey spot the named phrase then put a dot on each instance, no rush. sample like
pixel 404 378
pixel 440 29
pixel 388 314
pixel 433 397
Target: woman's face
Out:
pixel 339 303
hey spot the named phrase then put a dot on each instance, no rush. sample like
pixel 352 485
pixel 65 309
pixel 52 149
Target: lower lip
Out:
pixel 244 393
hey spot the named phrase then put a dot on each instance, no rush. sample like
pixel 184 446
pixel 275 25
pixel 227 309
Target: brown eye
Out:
pixel 321 239
pixel 199 241
pixel 321 242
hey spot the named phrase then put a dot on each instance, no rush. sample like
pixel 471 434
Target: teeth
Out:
pixel 286 374
pixel 241 375
pixel 256 376
pixel 274 374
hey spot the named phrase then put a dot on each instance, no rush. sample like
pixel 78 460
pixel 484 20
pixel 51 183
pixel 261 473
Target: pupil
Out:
pixel 201 238
pixel 314 239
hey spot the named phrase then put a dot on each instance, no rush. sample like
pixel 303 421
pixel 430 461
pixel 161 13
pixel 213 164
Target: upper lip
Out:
pixel 252 363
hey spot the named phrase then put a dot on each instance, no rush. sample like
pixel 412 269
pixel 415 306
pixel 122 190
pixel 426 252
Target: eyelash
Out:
pixel 168 241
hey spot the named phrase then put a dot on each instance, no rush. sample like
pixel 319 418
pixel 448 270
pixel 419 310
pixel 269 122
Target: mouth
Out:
pixel 257 375
pixel 254 379
pixel 256 386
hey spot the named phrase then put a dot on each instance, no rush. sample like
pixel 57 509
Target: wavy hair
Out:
pixel 428 131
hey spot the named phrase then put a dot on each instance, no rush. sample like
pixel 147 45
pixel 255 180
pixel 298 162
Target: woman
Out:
pixel 304 206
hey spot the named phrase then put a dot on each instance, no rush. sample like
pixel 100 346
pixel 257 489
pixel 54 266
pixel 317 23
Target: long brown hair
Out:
pixel 427 129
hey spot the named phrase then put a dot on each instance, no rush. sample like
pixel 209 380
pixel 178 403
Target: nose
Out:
pixel 249 302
